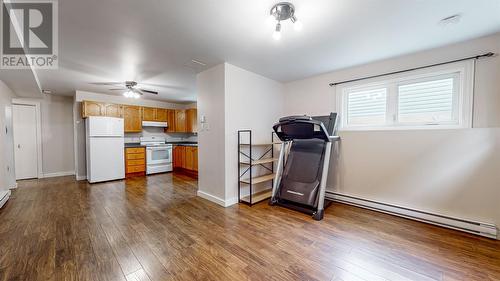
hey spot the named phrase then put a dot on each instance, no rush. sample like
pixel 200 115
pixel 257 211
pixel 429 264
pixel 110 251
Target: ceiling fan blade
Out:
pixel 148 91
pixel 107 83
pixel 119 89
pixel 138 91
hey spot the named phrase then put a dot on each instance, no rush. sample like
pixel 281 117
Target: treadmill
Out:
pixel 302 170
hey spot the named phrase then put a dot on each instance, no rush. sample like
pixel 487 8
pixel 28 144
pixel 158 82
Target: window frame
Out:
pixel 464 71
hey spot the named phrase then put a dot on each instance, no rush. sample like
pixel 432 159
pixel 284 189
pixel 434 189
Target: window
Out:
pixel 434 98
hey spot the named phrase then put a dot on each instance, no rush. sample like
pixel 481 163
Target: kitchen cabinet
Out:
pixel 192 120
pixel 135 161
pixel 92 108
pixel 113 110
pixel 170 121
pixel 180 121
pixel 133 118
pixel 148 114
pixel 154 114
pixel 186 159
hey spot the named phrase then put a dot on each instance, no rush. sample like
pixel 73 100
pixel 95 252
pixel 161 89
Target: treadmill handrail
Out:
pixel 293 119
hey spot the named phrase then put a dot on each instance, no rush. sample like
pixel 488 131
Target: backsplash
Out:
pixel 153 131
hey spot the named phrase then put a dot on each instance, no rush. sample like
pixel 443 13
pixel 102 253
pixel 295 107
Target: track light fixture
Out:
pixel 281 12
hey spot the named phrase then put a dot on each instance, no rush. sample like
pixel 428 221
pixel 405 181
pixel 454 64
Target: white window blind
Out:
pixel 367 107
pixel 429 102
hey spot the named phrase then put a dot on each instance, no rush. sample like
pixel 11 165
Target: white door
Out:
pixel 25 141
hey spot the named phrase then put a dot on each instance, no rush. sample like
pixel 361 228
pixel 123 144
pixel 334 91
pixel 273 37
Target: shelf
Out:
pixel 260 161
pixel 260 144
pixel 258 196
pixel 259 179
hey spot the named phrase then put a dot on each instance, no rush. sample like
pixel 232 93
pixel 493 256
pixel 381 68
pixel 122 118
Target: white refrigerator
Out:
pixel 105 149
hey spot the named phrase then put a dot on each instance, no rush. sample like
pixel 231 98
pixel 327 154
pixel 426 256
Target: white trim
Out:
pixel 4 197
pixel 217 200
pixel 59 174
pixel 81 178
pixel 36 104
pixel 14 186
pixel 479 228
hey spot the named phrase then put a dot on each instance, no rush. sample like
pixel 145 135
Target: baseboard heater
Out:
pixel 478 228
pixel 4 196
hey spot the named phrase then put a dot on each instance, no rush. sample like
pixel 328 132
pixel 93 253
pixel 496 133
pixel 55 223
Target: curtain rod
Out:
pixel 487 55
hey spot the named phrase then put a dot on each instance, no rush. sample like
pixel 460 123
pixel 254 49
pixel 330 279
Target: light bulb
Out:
pixel 136 96
pixel 297 25
pixel 277 35
pixel 277 32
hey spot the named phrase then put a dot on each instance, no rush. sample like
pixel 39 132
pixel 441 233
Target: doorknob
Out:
pixel 19 146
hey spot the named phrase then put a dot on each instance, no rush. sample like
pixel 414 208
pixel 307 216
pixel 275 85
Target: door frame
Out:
pixel 38 114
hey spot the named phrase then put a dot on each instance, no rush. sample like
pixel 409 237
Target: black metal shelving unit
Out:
pixel 264 159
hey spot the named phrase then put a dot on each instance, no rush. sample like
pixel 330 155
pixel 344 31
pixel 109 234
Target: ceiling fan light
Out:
pixel 277 32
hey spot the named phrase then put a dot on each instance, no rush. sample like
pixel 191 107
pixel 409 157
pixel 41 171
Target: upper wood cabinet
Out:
pixel 148 114
pixel 180 121
pixel 92 108
pixel 162 115
pixel 133 118
pixel 113 110
pixel 170 121
pixel 191 120
pixel 154 114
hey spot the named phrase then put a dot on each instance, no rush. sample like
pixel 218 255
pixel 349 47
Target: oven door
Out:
pixel 159 155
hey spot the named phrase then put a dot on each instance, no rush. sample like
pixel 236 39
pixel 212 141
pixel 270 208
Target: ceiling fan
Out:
pixel 130 89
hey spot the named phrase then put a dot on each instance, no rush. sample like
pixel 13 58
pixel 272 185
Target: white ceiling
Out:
pixel 152 41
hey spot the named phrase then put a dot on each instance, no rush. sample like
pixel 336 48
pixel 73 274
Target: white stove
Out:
pixel 158 155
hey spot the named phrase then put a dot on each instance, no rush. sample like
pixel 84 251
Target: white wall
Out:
pixel 252 102
pixel 7 173
pixel 210 87
pixel 449 172
pixel 79 124
pixel 231 99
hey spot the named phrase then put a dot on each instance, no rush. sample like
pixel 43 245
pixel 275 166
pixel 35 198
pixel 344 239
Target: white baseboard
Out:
pixel 59 174
pixel 217 200
pixel 4 196
pixel 81 178
pixel 478 228
pixel 14 186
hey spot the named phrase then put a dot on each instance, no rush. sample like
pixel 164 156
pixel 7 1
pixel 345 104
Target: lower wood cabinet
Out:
pixel 135 161
pixel 186 158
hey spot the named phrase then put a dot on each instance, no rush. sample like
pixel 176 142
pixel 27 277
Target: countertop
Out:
pixel 132 145
pixel 183 143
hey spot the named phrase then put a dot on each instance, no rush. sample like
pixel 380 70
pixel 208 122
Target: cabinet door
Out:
pixel 161 115
pixel 189 158
pixel 170 121
pixel 195 159
pixel 133 118
pixel 192 120
pixel 92 108
pixel 113 110
pixel 180 121
pixel 148 114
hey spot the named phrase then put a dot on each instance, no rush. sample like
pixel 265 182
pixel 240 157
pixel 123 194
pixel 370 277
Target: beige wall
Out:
pixel 449 172
pixel 57 135
pixel 7 175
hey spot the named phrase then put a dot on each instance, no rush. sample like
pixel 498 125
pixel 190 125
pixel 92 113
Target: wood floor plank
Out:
pixel 156 228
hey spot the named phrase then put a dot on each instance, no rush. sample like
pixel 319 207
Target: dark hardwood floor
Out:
pixel 156 228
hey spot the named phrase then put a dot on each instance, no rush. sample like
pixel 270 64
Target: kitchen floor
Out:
pixel 155 228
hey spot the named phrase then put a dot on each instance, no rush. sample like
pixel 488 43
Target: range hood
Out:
pixel 154 124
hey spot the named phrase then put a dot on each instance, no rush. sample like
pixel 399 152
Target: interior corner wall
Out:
pixel 448 172
pixel 252 102
pixel 7 172
pixel 211 132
